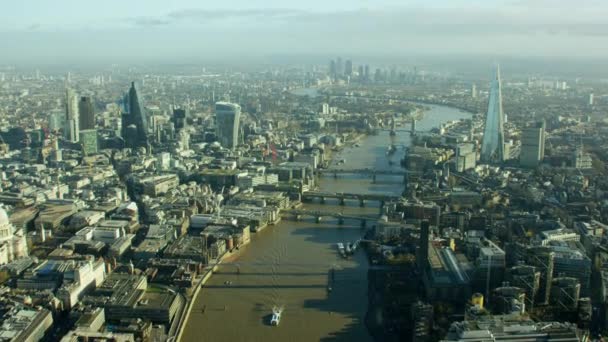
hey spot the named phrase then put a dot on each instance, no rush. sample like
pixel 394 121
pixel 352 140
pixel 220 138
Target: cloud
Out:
pixel 150 21
pixel 206 15
pixel 514 18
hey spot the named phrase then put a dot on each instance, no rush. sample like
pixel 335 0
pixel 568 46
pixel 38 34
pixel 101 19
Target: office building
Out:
pixel 492 146
pixel 227 117
pixel 134 120
pixel 179 119
pixel 466 156
pixel 72 117
pixel 87 113
pixel 532 145
pixel 543 260
pixel 88 140
pixel 565 293
pixel 526 278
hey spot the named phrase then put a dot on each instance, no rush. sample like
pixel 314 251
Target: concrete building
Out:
pixel 72 117
pixel 511 328
pixel 25 325
pixel 532 145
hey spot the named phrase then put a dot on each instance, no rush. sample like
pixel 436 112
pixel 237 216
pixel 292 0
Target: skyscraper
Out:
pixel 332 68
pixel 532 145
pixel 493 144
pixel 348 67
pixel 227 117
pixel 72 117
pixel 87 115
pixel 339 67
pixel 179 118
pixel 134 120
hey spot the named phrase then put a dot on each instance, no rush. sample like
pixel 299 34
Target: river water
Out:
pixel 290 264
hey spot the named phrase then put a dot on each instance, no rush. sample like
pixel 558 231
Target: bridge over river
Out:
pixel 343 196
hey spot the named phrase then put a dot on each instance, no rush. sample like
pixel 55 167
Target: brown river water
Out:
pixel 290 264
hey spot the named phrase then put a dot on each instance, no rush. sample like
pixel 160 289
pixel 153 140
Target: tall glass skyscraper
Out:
pixel 227 117
pixel 134 120
pixel 493 144
pixel 86 112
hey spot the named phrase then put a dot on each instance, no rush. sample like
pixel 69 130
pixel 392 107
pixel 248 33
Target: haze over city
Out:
pixel 43 31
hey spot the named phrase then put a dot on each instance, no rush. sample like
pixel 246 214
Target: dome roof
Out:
pixel 3 217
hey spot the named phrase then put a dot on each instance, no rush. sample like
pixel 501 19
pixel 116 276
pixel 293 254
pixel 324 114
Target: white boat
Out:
pixel 348 250
pixel 276 316
pixel 341 249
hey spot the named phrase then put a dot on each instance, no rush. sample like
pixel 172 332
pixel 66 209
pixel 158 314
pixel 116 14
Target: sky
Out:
pixel 52 31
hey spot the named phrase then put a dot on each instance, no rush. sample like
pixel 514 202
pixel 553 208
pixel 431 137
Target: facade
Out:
pixel 134 120
pixel 87 114
pixel 493 144
pixel 72 116
pixel 88 140
pixel 532 145
pixel 227 117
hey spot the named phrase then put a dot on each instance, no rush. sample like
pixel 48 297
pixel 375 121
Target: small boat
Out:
pixel 348 250
pixel 341 249
pixel 276 316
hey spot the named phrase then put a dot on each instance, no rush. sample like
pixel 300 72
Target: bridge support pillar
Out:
pixel 335 175
pixel 374 178
pixel 322 199
pixel 318 219
pixel 342 201
pixel 340 220
pixel 361 202
pixel 363 223
pixel 405 178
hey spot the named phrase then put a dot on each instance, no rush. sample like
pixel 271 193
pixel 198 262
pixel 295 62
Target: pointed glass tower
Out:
pixel 493 144
pixel 134 117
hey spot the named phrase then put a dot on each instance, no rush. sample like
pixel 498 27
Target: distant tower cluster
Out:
pixel 493 144
pixel 339 69
pixel 134 120
pixel 227 118
pixel 72 116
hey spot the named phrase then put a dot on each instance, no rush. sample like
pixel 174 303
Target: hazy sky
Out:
pixel 72 30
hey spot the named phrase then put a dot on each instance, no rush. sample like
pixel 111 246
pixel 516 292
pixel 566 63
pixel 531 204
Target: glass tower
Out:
pixel 493 144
